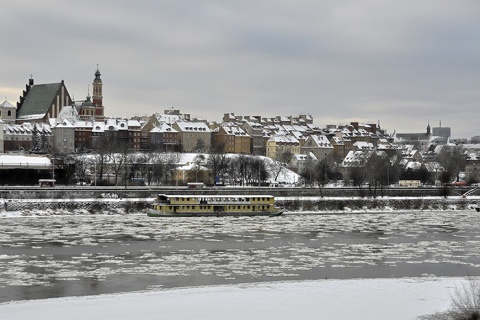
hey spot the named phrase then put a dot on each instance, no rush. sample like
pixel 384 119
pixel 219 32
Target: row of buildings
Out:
pixel 47 120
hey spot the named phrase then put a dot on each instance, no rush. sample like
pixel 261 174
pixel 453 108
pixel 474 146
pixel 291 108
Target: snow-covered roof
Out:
pixel 68 112
pixel 284 139
pixel 26 128
pixel 98 126
pixel 362 145
pixel 7 105
pixel 84 124
pixel 163 127
pixel 65 124
pixel 356 158
pixel 234 130
pixel 320 141
pixel 305 157
pixel 20 160
pixel 254 125
pixel 168 118
pixel 193 126
pixel 133 123
pixel 298 135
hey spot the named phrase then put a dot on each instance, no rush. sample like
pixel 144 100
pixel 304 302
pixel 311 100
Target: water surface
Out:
pixel 55 256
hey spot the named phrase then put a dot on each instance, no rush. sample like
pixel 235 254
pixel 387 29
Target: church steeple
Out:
pixel 97 88
pixel 428 127
pixel 98 95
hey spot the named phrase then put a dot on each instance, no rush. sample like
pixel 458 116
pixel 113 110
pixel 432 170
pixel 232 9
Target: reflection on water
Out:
pixel 57 256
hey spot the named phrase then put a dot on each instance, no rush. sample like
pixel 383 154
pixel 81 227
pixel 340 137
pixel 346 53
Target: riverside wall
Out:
pixel 131 200
pixel 60 192
pixel 75 206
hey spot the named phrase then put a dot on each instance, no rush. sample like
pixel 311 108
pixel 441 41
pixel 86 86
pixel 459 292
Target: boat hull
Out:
pixel 156 213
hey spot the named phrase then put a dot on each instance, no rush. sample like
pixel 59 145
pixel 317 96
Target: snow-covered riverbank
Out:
pixel 359 299
pixel 118 205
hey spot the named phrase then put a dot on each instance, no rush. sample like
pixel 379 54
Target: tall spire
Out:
pixel 88 93
pixel 97 97
pixel 97 74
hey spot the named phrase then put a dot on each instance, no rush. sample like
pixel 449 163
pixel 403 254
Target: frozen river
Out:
pixel 57 256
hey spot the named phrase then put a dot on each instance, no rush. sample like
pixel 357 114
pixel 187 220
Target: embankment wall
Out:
pixel 313 204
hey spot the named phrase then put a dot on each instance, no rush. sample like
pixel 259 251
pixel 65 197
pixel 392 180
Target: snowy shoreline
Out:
pixel 403 298
pixel 303 205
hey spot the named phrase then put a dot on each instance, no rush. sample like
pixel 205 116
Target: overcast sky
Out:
pixel 400 63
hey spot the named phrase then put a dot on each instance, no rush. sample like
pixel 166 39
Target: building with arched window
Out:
pixel 8 112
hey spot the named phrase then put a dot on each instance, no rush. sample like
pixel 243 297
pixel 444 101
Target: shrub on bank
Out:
pixel 465 304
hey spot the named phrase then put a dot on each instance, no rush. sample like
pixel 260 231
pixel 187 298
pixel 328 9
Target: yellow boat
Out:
pixel 214 205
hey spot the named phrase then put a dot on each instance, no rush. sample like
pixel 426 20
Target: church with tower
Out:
pixel 92 108
pixel 41 102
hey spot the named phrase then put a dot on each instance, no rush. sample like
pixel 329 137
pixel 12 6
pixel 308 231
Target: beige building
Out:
pixel 232 138
pixel 255 131
pixel 63 138
pixel 278 145
pixel 319 145
pixel 193 136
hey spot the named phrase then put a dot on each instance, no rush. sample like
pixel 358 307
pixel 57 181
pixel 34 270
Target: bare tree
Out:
pixel 276 167
pixel 465 304
pixel 321 174
pixel 199 161
pixel 258 169
pixel 217 162
pixel 358 177
pixel 136 164
pixel 150 159
pixel 376 172
pixel 240 166
pixel 166 166
pixel 116 161
pixel 453 160
pixel 82 164
pixel 65 163
pixel 100 161
pixel 308 172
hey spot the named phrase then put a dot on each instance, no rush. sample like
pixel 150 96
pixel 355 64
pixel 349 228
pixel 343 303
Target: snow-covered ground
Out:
pixel 358 299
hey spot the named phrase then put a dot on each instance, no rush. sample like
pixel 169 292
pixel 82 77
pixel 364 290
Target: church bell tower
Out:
pixel 97 98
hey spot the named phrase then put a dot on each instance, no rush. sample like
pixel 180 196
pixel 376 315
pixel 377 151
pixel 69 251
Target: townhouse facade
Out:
pixel 232 139
pixel 63 138
pixel 193 136
pixel 164 138
pixel 279 145
pixel 318 145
